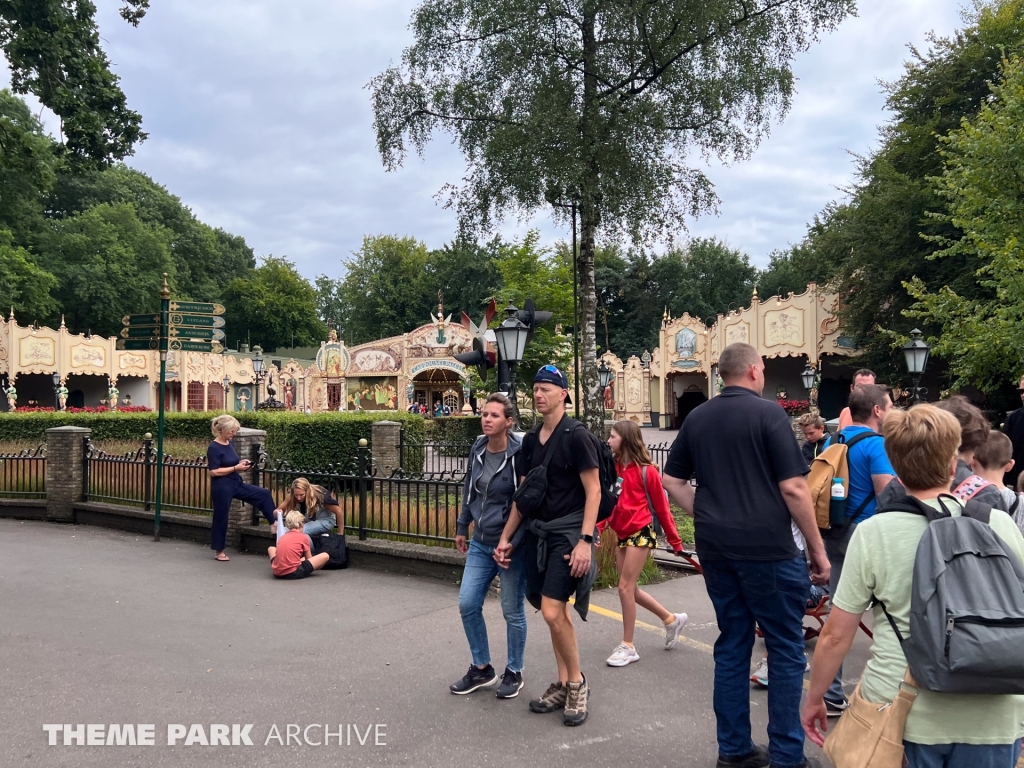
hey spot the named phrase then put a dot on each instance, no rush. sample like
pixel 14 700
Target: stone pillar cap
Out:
pixel 69 430
pixel 250 432
pixel 387 424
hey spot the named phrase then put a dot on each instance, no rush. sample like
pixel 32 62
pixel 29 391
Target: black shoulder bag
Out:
pixel 529 497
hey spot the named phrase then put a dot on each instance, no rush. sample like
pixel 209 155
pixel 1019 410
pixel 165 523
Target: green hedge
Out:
pixel 307 441
pixel 455 429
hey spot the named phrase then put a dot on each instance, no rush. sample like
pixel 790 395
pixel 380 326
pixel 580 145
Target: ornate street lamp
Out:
pixel 56 391
pixel 916 352
pixel 809 378
pixel 605 374
pixel 510 339
pixel 226 381
pixel 257 369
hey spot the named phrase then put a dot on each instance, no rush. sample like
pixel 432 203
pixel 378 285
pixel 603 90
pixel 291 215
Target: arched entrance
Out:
pixel 438 385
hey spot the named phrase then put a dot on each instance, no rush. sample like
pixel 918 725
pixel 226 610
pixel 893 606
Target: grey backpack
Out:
pixel 966 605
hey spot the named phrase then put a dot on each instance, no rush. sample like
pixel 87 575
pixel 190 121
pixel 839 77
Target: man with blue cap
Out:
pixel 559 497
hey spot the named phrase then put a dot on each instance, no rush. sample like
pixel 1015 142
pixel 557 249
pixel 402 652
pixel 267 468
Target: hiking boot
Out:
pixel 756 759
pixel 576 695
pixel 473 680
pixel 836 708
pixel 760 674
pixel 552 700
pixel 623 655
pixel 511 682
pixel 672 630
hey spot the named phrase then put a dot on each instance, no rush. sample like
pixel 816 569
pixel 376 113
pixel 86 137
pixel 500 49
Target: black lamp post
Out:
pixel 510 339
pixel 808 378
pixel 916 352
pixel 605 374
pixel 257 369
pixel 226 381
pixel 56 388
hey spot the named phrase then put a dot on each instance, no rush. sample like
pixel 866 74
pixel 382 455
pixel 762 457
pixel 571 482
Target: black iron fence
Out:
pixel 659 454
pixel 23 474
pixel 413 506
pixel 130 478
pixel 433 458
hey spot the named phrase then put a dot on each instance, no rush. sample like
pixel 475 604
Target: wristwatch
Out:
pixel 587 538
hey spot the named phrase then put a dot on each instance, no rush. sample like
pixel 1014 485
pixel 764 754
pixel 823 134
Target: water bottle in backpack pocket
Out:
pixel 837 504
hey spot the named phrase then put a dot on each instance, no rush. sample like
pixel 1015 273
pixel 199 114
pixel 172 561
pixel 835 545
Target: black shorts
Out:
pixel 556 581
pixel 305 569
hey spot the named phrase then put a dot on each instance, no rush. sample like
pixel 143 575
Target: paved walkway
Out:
pixel 106 627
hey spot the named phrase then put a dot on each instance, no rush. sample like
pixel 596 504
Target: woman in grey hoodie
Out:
pixel 491 480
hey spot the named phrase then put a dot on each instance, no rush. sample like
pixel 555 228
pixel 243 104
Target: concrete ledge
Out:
pixel 23 509
pixel 378 554
pixel 173 525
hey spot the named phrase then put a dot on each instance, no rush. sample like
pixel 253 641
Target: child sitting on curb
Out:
pixel 291 559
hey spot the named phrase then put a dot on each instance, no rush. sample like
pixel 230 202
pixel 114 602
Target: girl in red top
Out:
pixel 632 522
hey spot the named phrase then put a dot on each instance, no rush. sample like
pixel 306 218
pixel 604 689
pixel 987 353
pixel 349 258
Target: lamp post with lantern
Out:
pixel 226 381
pixel 916 352
pixel 56 391
pixel 809 377
pixel 510 339
pixel 258 371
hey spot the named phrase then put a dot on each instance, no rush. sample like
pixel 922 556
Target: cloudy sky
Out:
pixel 259 120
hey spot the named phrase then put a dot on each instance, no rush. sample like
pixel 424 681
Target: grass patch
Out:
pixel 608 574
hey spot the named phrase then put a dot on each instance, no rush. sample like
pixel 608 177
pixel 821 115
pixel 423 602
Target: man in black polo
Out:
pixel 562 531
pixel 751 489
pixel 1014 429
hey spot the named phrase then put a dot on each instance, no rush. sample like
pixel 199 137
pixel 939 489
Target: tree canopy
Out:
pixel 594 100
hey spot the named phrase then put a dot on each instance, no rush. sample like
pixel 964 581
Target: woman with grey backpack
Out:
pixel 491 480
pixel 940 687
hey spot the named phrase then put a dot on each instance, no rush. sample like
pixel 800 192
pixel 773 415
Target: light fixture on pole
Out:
pixel 226 381
pixel 56 391
pixel 916 352
pixel 809 377
pixel 605 374
pixel 510 339
pixel 257 369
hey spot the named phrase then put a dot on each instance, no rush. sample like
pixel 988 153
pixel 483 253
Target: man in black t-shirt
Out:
pixel 1014 429
pixel 573 490
pixel 750 491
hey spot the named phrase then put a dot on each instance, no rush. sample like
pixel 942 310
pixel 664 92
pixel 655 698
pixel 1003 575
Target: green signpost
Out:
pixel 186 326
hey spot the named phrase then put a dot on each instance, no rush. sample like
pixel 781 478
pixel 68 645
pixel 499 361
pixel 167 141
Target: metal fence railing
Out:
pixel 130 478
pixel 23 474
pixel 659 454
pixel 433 457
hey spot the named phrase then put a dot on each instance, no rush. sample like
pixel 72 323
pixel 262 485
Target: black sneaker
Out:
pixel 511 682
pixel 756 759
pixel 835 709
pixel 474 679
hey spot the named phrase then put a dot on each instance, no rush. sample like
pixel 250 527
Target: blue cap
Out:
pixel 551 375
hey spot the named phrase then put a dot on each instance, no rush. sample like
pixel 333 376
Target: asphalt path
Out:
pixel 103 627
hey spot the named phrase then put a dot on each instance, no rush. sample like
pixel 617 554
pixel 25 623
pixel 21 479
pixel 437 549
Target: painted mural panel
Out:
pixel 372 394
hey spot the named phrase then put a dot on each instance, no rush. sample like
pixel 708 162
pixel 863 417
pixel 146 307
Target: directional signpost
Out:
pixel 185 326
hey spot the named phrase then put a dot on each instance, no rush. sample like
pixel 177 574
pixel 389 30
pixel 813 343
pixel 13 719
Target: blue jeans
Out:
pixel 772 594
pixel 317 527
pixel 476 578
pixel 961 755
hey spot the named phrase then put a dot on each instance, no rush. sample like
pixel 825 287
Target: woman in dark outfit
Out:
pixel 225 484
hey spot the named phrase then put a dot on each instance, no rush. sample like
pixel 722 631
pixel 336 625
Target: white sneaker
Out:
pixel 623 655
pixel 672 630
pixel 760 675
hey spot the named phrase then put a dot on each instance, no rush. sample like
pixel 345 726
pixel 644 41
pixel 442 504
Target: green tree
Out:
pixel 385 291
pixel 107 263
pixel 274 306
pixel 983 338
pixel 27 166
pixel 598 100
pixel 53 51
pixel 467 274
pixel 869 246
pixel 24 287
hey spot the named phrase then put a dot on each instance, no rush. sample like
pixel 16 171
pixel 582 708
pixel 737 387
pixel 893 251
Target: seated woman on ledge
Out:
pixel 320 510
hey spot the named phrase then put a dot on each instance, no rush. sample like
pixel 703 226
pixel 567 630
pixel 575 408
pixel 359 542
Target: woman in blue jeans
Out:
pixel 491 479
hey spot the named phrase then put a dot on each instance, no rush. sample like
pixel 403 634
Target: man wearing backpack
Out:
pixel 559 540
pixel 917 549
pixel 870 472
pixel 750 490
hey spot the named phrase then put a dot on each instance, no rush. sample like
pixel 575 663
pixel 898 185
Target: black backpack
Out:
pixel 334 545
pixel 531 492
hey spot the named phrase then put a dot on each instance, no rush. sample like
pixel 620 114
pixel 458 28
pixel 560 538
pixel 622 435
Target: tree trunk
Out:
pixel 590 218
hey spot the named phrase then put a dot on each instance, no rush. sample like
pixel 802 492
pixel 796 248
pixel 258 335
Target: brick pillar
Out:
pixel 385 437
pixel 65 449
pixel 241 514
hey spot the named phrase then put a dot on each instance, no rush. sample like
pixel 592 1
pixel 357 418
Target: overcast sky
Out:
pixel 258 119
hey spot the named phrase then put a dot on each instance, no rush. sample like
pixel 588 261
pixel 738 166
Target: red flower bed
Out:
pixel 98 409
pixel 794 406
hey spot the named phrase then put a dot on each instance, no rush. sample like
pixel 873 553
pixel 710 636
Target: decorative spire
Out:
pixel 62 326
pixel 165 289
pixel 754 297
pixel 440 305
pixel 11 318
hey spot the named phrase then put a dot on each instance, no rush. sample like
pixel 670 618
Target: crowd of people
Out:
pixel 535 509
